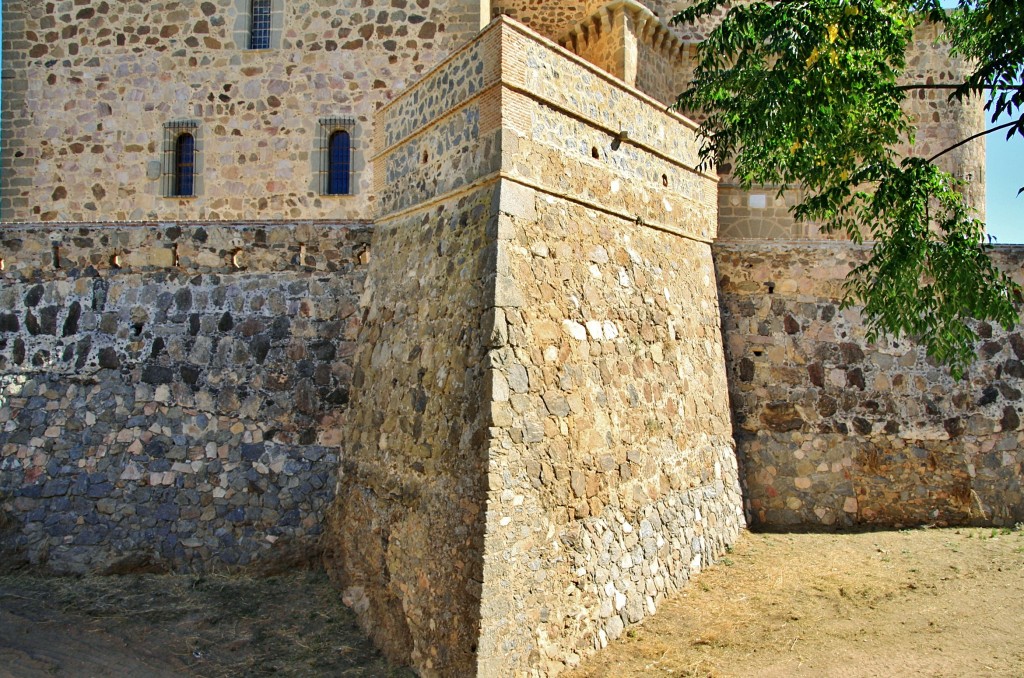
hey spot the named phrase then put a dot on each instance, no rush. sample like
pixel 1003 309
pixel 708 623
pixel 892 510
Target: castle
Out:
pixel 438 287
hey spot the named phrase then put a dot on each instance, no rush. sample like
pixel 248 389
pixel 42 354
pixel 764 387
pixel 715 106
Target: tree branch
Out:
pixel 921 85
pixel 972 138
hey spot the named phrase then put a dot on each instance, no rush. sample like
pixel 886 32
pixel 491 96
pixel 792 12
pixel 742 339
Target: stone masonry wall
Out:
pixel 408 530
pixel 119 70
pixel 407 533
pixel 612 476
pixel 537 451
pixel 169 393
pixel 833 431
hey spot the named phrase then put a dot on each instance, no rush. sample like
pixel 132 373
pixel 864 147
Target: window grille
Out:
pixel 180 159
pixel 336 175
pixel 259 27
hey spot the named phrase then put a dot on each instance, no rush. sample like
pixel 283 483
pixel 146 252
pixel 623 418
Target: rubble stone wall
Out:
pixel 408 530
pixel 612 476
pixel 170 393
pixel 834 431
pixel 120 70
pixel 537 450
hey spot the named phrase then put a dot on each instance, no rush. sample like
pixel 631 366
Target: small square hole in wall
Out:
pixel 757 201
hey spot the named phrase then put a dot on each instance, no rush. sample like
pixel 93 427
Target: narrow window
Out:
pixel 184 165
pixel 336 153
pixel 259 28
pixel 339 164
pixel 180 164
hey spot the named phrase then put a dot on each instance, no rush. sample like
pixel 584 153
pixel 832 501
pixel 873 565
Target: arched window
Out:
pixel 184 165
pixel 339 163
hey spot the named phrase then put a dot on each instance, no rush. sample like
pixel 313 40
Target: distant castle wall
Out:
pixel 89 88
pixel 832 431
pixel 170 393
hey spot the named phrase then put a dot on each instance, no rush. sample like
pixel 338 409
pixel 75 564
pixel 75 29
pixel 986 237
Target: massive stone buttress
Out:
pixel 538 449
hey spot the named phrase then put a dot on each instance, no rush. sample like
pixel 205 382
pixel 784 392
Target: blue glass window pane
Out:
pixel 259 33
pixel 184 165
pixel 339 163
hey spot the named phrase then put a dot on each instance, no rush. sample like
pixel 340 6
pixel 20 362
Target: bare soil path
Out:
pixel 915 603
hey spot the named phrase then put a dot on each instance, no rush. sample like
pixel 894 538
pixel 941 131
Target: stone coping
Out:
pixel 10 226
pixel 505 21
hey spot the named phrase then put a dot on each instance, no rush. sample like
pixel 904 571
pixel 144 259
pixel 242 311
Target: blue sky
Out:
pixel 1004 176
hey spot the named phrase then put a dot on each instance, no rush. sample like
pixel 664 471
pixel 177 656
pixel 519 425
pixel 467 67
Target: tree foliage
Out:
pixel 811 93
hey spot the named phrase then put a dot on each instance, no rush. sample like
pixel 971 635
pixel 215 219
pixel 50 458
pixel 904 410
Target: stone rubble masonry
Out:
pixel 120 70
pixel 537 451
pixel 833 431
pixel 170 394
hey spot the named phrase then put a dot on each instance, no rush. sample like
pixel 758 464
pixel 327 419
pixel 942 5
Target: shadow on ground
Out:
pixel 180 625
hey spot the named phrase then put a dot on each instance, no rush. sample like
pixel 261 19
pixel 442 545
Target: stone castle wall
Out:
pixel 536 454
pixel 171 392
pixel 123 69
pixel 833 431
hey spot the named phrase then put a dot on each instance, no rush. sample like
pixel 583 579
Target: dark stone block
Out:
pixel 1014 368
pixel 48 320
pixel 100 490
pixel 99 294
pixel 790 324
pixel 108 359
pixel 861 426
pixel 82 348
pixel 1007 391
pixel 954 426
pixel 988 396
pixel 1017 344
pixel 32 324
pixel 157 449
pixel 816 373
pixel 34 296
pixel 253 451
pixel 55 488
pixel 827 406
pixel 323 350
pixel 260 347
pixel 852 353
pixel 338 397
pixel 855 377
pixel 190 374
pixel 9 322
pixel 990 349
pixel 781 416
pixel 18 352
pixel 746 369
pixel 155 374
pixel 280 328
pixel 226 322
pixel 1010 420
pixel 71 321
pixel 168 512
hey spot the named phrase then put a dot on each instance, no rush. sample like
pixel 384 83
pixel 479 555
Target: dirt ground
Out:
pixel 923 602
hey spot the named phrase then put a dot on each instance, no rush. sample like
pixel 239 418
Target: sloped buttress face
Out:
pixel 537 450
